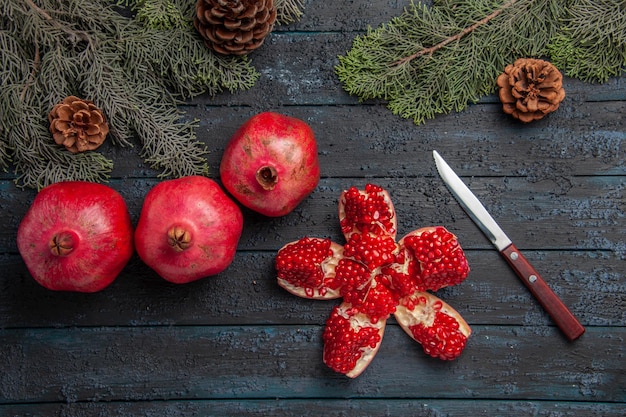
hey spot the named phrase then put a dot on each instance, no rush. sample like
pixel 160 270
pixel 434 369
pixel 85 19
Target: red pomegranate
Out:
pixel 270 164
pixel 76 236
pixel 376 277
pixel 188 229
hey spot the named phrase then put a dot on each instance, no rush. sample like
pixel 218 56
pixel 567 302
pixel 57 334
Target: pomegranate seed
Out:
pixel 401 278
pixel 351 274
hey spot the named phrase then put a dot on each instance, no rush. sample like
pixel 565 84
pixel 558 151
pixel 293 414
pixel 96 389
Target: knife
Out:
pixel 559 313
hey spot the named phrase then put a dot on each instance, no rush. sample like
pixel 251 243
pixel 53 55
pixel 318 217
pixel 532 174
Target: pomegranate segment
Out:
pixel 367 211
pixel 306 268
pixel 351 340
pixel 377 277
pixel 437 258
pixel 434 324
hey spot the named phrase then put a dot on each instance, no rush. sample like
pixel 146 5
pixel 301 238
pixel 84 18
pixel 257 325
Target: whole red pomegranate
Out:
pixel 76 236
pixel 188 229
pixel 270 164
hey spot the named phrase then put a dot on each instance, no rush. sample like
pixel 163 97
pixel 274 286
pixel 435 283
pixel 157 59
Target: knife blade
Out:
pixel 560 314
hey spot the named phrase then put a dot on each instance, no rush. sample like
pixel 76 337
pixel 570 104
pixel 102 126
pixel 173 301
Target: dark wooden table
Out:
pixel 237 344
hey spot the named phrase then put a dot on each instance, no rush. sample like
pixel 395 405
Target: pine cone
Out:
pixel 234 27
pixel 78 125
pixel 530 89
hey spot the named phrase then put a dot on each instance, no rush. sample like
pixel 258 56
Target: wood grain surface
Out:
pixel 237 344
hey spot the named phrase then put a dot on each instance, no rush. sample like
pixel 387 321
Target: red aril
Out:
pixel 270 164
pixel 188 229
pixel 76 236
pixel 371 250
pixel 375 299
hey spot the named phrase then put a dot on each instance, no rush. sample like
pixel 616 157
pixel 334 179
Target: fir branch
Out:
pixel 163 14
pixel 138 103
pixel 168 25
pixel 136 69
pixel 456 37
pixel 438 59
pixel 196 71
pixel 583 51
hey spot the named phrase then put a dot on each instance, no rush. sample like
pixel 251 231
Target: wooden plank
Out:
pixel 189 362
pixel 591 284
pixel 367 141
pixel 580 213
pixel 587 138
pixel 319 407
pixel 346 16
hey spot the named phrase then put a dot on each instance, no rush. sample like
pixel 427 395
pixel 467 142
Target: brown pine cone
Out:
pixel 234 27
pixel 530 89
pixel 78 125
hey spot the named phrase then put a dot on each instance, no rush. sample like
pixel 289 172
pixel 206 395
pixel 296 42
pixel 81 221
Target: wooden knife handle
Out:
pixel 561 315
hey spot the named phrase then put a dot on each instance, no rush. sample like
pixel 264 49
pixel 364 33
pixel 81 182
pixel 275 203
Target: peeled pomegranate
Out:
pixel 270 164
pixel 76 236
pixel 377 277
pixel 188 229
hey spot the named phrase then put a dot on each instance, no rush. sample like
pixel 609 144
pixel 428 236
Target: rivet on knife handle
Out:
pixel 531 278
pixel 553 305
